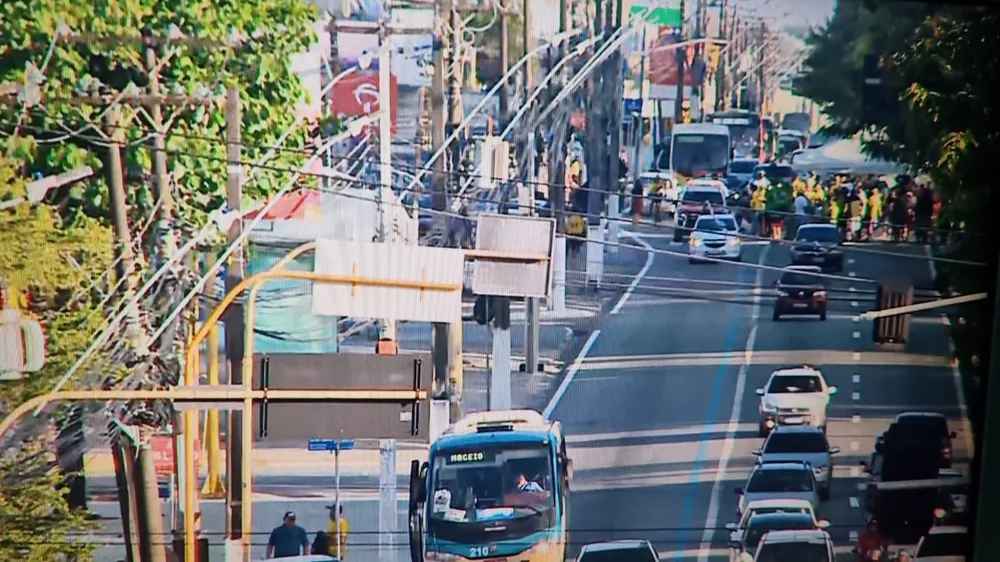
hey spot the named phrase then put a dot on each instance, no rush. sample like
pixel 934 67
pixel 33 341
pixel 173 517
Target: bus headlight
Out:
pixel 441 556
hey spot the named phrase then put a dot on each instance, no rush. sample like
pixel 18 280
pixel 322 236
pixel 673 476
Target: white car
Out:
pixel 783 505
pixel 715 236
pixel 794 397
pixel 943 544
pixel 800 546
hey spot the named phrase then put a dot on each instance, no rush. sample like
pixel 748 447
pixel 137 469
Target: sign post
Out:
pixel 334 447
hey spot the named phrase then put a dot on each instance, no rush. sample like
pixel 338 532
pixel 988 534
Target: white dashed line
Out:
pixel 856 319
pixel 855 419
pixel 855 396
pixel 853 536
pixel 856 356
pixel 857 335
pixel 850 260
pixel 855 471
pixel 852 274
pixel 855 446
pixel 852 289
pixel 855 502
pixel 856 379
pixel 855 305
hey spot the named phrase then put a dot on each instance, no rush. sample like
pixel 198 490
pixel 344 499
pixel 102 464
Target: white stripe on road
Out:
pixel 956 375
pixel 712 518
pixel 578 361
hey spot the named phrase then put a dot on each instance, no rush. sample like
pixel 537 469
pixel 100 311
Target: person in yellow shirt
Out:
pixel 331 531
pixel 798 186
pixel 758 203
pixel 874 211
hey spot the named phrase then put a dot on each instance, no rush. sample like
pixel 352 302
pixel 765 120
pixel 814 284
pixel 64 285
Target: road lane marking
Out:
pixel 854 502
pixel 852 289
pixel 850 261
pixel 578 361
pixel 854 304
pixel 856 319
pixel 856 356
pixel 855 419
pixel 852 274
pixel 852 536
pixel 855 396
pixel 762 358
pixel 712 517
pixel 856 379
pixel 956 375
pixel 856 335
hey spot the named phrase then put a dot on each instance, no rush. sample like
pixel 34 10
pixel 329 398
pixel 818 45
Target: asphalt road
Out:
pixel 661 412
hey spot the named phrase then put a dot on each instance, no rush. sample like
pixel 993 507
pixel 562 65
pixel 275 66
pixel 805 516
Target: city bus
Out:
pixel 693 150
pixel 745 131
pixel 495 486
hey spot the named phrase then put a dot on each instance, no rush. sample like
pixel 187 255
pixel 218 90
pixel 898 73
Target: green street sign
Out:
pixel 659 16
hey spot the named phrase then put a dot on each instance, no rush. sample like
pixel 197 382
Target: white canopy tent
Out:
pixel 842 155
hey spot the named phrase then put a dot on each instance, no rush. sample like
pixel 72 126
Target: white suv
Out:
pixel 715 236
pixel 794 397
pixel 800 546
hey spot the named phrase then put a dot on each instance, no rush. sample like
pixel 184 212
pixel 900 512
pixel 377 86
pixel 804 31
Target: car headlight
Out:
pixel 695 242
pixel 820 469
pixel 782 293
pixel 766 406
pixel 734 241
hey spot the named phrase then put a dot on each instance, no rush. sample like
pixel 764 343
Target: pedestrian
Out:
pixel 287 539
pixel 338 549
pixel 636 202
pixel 870 542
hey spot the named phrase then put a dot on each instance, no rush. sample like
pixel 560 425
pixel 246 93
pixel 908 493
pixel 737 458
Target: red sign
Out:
pixel 163 454
pixel 357 94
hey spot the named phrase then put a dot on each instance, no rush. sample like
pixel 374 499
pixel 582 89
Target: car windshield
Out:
pixel 491 483
pixel 796 278
pixel 768 510
pixel 932 425
pixel 797 551
pixel 711 196
pixel 782 442
pixel 943 544
pixel 760 525
pixel 814 234
pixel 619 555
pixel 796 121
pixel 709 225
pixel 742 166
pixel 780 480
pixel 790 384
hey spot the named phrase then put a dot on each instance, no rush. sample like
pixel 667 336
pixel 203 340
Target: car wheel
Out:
pixel 824 493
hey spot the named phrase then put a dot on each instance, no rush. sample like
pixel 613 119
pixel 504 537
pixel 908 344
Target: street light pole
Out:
pixel 385 150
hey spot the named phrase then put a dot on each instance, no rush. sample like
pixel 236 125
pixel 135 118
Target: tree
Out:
pixel 54 269
pixel 272 31
pixel 36 525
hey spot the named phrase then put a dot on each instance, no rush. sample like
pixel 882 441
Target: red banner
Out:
pixel 163 454
pixel 663 60
pixel 357 94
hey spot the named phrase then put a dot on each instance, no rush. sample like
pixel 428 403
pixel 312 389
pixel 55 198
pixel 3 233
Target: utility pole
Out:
pixel 124 459
pixel 234 318
pixel 456 107
pixel 532 305
pixel 119 204
pixel 528 40
pixel 504 67
pixel 697 66
pixel 640 128
pixel 680 55
pixel 154 543
pixel 722 63
pixel 761 85
pixel 386 229
pixel 557 171
pixel 166 236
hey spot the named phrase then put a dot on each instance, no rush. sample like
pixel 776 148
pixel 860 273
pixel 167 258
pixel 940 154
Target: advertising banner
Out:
pixel 357 94
pixel 663 69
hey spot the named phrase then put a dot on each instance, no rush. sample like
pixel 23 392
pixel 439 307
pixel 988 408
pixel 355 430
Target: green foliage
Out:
pixel 274 31
pixel 36 524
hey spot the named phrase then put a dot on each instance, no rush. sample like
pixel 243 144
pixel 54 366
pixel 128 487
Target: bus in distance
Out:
pixel 744 131
pixel 699 150
pixel 495 486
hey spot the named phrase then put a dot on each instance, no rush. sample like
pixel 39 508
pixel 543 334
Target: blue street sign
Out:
pixel 633 106
pixel 330 445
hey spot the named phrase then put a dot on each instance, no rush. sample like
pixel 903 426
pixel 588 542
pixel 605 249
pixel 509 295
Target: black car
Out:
pixel 799 292
pixel 924 427
pixel 818 245
pixel 762 523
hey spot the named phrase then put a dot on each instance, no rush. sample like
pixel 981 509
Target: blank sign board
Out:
pixel 398 263
pixel 515 235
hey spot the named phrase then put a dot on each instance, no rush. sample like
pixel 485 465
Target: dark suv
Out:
pixel 797 292
pixel 819 245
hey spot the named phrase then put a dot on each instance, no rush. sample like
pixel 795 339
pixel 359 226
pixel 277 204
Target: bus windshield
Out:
pixel 742 128
pixel 700 153
pixel 491 483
